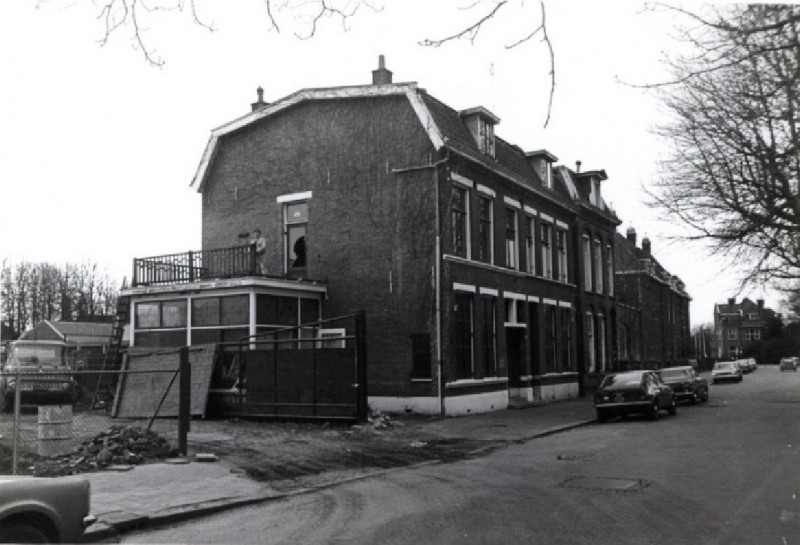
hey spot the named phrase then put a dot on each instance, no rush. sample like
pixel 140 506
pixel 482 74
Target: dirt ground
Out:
pixel 288 455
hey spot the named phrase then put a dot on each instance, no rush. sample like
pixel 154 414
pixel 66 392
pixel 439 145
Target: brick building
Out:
pixel 486 272
pixel 738 325
pixel 653 327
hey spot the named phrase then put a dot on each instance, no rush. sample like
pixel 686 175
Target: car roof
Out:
pixel 677 368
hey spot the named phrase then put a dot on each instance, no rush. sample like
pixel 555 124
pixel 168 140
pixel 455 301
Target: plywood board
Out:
pixel 153 372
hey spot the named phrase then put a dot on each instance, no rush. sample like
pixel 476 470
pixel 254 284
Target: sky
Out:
pixel 99 147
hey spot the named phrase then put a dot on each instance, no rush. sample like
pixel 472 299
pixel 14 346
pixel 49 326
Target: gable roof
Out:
pixel 81 333
pixel 444 126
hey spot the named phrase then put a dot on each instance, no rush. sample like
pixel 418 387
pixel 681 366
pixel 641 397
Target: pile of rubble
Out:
pixel 119 445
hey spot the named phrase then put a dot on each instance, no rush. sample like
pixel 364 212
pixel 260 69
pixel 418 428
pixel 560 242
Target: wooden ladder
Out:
pixel 106 383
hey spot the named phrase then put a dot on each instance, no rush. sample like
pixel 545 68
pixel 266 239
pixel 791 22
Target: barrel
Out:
pixel 55 429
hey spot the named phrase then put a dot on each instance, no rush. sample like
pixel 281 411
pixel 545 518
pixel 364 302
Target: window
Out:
pixel 512 242
pixel 460 214
pixel 530 248
pixel 161 314
pixel 733 352
pixel 485 229
pixel 160 323
pixel 550 358
pixel 752 334
pixel 598 267
pixel 486 137
pixel 514 312
pixel 591 349
pixel 421 355
pixel 752 316
pixel 566 339
pixel 587 263
pixel 561 241
pixel 463 338
pixel 601 344
pixel 732 334
pixel 296 220
pixel 546 173
pixel 610 270
pixel 547 250
pixel 489 336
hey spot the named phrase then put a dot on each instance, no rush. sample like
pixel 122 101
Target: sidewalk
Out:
pixel 149 495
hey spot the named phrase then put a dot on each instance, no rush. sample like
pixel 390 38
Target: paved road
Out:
pixel 727 472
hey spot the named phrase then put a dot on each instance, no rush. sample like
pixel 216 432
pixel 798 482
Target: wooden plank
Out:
pixel 141 392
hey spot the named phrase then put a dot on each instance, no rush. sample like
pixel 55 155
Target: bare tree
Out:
pixel 304 18
pixel 732 175
pixel 32 292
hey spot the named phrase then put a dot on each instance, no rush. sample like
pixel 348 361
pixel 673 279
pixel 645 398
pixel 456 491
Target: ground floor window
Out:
pixel 463 335
pixel 601 343
pixel 550 339
pixel 591 349
pixel 566 339
pixel 489 305
pixel 421 355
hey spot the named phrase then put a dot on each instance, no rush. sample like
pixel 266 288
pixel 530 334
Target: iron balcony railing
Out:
pixel 230 262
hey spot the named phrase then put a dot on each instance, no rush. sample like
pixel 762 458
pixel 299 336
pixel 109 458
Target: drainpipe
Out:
pixel 438 296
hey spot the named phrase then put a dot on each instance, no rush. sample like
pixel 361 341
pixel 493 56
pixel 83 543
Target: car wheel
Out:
pixel 601 415
pixel 653 413
pixel 695 398
pixel 18 532
pixel 704 396
pixel 673 408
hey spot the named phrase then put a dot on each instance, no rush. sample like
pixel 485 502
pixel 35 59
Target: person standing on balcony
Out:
pixel 261 250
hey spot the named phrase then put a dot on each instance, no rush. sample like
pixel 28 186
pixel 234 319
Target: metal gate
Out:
pixel 313 371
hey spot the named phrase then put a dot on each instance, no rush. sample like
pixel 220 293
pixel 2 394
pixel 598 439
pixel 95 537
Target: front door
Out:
pixel 515 353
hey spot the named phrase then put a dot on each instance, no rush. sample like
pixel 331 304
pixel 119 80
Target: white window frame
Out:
pixel 597 267
pixel 457 184
pixel 588 280
pixel 530 243
pixel 546 250
pixel 488 194
pixel 610 269
pixel 563 257
pixel 512 246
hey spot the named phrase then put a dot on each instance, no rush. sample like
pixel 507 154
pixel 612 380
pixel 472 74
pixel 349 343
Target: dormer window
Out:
pixel 594 194
pixel 480 123
pixel 541 161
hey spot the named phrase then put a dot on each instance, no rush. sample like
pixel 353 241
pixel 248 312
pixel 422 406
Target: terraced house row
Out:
pixel 486 273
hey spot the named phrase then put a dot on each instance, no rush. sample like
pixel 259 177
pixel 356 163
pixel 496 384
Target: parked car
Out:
pixel 686 384
pixel 633 392
pixel 44 510
pixel 788 364
pixel 726 370
pixel 744 366
pixel 45 374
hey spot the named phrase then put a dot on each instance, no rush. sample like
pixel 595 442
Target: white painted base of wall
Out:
pixel 527 394
pixel 454 406
pixel 555 392
pixel 475 404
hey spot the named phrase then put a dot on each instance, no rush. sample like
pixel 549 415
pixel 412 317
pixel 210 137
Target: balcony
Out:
pixel 233 262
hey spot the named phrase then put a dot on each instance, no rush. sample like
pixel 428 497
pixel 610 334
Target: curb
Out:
pixel 121 521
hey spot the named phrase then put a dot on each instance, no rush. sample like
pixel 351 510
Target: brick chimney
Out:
pixel 646 246
pixel 381 76
pixel 760 303
pixel 732 301
pixel 258 104
pixel 630 234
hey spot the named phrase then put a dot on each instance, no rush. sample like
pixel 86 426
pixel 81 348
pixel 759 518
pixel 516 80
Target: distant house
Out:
pixel 653 328
pixel 738 325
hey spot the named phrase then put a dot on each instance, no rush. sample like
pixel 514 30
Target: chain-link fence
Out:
pixel 55 423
